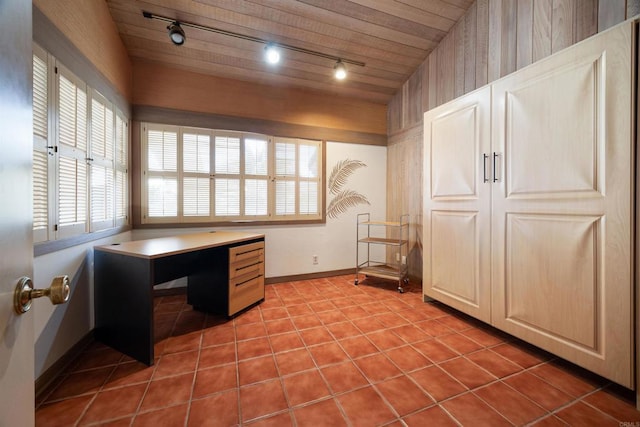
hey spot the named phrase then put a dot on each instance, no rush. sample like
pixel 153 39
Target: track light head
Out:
pixel 176 33
pixel 272 53
pixel 339 70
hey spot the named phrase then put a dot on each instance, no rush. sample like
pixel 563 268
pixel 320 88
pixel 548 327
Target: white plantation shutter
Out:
pixel 298 178
pixel 72 146
pixel 196 159
pixel 227 174
pixel 163 196
pixel 122 169
pixel 285 158
pixel 196 200
pixel 227 197
pixel 72 196
pixel 163 150
pixel 40 94
pixel 227 154
pixel 162 172
pixel 285 170
pixel 309 198
pixel 42 161
pixel 102 181
pixel 309 182
pixel 285 198
pixel 256 164
pixel 256 201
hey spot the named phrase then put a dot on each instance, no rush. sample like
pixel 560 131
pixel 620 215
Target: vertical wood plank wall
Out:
pixel 493 39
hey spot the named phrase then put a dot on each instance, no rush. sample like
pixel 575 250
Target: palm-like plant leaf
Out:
pixel 341 171
pixel 345 200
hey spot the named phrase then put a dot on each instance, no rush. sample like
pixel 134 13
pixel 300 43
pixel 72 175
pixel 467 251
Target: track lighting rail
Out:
pixel 173 21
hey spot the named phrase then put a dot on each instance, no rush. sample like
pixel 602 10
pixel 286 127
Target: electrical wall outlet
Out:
pixel 397 256
pixel 315 259
pixel 404 259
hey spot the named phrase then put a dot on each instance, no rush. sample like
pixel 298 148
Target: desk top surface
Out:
pixel 173 245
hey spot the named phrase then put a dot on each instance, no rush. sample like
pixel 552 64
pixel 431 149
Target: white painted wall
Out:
pixel 289 251
pixel 60 327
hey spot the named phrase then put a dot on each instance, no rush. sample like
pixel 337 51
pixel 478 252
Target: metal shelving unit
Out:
pixel 396 235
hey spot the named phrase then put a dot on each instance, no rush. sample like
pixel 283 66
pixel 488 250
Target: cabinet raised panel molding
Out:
pixel 528 207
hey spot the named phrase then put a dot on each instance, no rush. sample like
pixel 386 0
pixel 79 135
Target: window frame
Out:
pixel 55 235
pixel 145 220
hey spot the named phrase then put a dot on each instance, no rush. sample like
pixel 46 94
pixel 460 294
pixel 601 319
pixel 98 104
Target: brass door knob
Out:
pixel 24 294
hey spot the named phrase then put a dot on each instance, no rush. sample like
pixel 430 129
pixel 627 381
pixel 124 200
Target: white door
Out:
pixel 562 210
pixel 457 204
pixel 16 248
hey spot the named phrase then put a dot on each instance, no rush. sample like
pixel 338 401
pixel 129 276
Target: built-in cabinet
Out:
pixel 528 204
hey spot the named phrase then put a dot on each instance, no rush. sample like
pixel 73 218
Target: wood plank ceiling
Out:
pixel 392 37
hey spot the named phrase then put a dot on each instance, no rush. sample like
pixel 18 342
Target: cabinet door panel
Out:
pixel 561 213
pixel 456 221
pixel 551 284
pixel 552 142
pixel 456 233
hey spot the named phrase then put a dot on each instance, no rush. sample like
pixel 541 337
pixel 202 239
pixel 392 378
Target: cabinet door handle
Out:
pixel 485 157
pixel 496 174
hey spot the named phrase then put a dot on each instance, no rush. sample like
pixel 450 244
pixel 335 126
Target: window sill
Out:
pixel 44 248
pixel 241 223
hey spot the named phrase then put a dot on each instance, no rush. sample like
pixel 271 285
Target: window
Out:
pixel 80 146
pixel 41 150
pixel 205 175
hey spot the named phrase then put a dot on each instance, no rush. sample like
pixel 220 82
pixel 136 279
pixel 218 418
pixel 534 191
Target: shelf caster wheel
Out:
pixel 355 282
pixel 405 281
pixel 400 290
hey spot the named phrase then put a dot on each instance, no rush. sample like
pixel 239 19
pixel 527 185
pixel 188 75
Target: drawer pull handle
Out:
pixel 248 280
pixel 247 252
pixel 247 266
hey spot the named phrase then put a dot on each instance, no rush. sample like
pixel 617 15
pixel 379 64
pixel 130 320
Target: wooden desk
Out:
pixel 225 273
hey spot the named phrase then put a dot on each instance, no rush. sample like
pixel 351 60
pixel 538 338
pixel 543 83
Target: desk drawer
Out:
pixel 253 266
pixel 245 290
pixel 244 252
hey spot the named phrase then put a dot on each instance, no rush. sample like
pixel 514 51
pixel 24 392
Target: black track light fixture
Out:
pixel 176 33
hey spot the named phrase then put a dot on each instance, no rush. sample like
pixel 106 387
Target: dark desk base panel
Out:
pixel 124 293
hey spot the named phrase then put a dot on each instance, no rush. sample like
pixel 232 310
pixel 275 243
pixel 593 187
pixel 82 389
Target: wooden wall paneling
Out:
pixel 586 23
pixel 394 113
pixel 610 13
pixel 446 69
pixel 433 80
pixel 458 36
pixel 441 77
pixel 562 24
pixel 404 122
pixel 425 86
pixel 404 190
pixel 633 8
pixel 524 50
pixel 495 40
pixel 508 28
pixel 413 105
pixel 482 42
pixel 470 33
pixel 542 12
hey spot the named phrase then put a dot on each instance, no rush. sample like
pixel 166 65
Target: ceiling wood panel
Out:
pixel 392 38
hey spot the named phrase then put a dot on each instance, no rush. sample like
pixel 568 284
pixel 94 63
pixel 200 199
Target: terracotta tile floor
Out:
pixel 327 353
